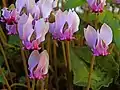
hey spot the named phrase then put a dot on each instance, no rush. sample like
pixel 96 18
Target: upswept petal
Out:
pixel 30 4
pixel 54 4
pixel 43 63
pixel 41 28
pixel 33 60
pixel 106 34
pixel 73 21
pixel 20 4
pixel 90 36
pixel 90 2
pixel 11 29
pixel 5 13
pixel 36 12
pixel 22 20
pixel 28 28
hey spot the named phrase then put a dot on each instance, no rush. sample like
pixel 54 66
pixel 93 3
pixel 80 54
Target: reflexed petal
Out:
pixel 106 34
pixel 28 28
pixel 20 4
pixel 73 21
pixel 33 60
pixel 41 29
pixel 36 12
pixel 30 4
pixel 54 4
pixel 5 13
pixel 90 36
pixel 21 22
pixel 45 7
pixel 43 63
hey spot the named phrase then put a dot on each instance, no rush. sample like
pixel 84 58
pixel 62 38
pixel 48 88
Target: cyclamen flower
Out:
pixel 10 18
pixel 38 64
pixel 98 40
pixel 42 8
pixel 66 23
pixel 97 5
pixel 32 34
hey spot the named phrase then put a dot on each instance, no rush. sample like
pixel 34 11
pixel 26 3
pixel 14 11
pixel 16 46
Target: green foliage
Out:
pixel 104 71
pixel 14 40
pixel 74 3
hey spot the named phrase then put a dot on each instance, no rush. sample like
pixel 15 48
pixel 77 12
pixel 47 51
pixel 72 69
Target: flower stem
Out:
pixel 69 74
pixel 90 72
pixel 6 62
pixel 33 84
pixel 64 55
pixel 25 66
pixel 4 3
pixel 6 81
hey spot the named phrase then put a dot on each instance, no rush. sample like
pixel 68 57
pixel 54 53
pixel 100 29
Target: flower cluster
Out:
pixel 30 20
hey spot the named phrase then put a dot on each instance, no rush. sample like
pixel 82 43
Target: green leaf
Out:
pixel 74 3
pixel 14 40
pixel 104 71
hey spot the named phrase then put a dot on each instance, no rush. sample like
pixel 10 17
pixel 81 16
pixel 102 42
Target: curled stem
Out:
pixel 18 84
pixel 90 72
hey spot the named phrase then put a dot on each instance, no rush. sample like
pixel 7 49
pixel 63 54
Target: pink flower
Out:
pixel 32 34
pixel 97 5
pixel 38 64
pixel 10 18
pixel 98 40
pixel 66 23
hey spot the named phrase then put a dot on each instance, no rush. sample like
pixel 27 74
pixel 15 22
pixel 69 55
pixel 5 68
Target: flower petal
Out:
pixel 33 60
pixel 73 21
pixel 5 13
pixel 21 22
pixel 90 36
pixel 45 7
pixel 43 63
pixel 20 4
pixel 41 29
pixel 28 28
pixel 106 34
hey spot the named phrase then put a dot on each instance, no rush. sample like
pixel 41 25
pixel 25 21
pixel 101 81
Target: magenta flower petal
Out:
pixel 41 28
pixel 106 34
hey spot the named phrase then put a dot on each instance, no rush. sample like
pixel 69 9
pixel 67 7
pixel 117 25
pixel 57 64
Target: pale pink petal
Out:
pixel 28 28
pixel 20 4
pixel 22 20
pixel 33 60
pixel 41 28
pixel 106 34
pixel 90 36
pixel 73 21
pixel 43 63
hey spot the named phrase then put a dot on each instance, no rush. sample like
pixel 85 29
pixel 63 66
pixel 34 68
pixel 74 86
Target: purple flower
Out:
pixel 98 40
pixel 97 5
pixel 66 23
pixel 32 34
pixel 10 18
pixel 38 64
pixel 40 9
